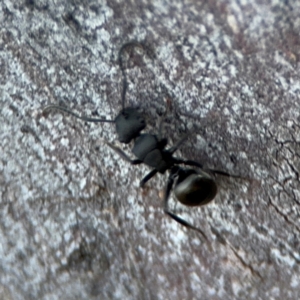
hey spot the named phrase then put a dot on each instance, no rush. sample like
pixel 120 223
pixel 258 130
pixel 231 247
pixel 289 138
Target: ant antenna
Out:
pixel 121 63
pixel 124 89
pixel 84 118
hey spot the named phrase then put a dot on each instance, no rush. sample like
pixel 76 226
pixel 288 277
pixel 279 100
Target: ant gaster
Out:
pixel 192 186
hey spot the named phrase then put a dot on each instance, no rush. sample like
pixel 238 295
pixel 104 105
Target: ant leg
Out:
pixel 198 165
pixel 189 163
pixel 172 215
pixel 147 177
pixel 124 155
pixel 222 173
pixel 84 118
pixel 160 127
pixel 178 144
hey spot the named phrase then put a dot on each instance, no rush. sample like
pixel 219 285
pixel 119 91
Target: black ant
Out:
pixel 192 186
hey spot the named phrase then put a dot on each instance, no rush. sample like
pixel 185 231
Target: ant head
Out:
pixel 195 188
pixel 129 124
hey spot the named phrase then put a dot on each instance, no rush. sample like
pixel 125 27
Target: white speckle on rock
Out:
pixel 82 183
pixel 64 142
pixel 295 281
pixel 275 291
pixel 282 259
pixel 232 22
pixel 236 287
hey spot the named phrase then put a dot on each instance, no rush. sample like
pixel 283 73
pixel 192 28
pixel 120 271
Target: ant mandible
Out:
pixel 192 186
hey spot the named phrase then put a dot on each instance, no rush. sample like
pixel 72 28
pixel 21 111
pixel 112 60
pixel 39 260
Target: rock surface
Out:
pixel 74 223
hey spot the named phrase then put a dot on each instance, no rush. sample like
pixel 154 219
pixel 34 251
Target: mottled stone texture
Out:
pixel 74 223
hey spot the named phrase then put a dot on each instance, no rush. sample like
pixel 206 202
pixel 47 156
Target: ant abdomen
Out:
pixel 195 189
